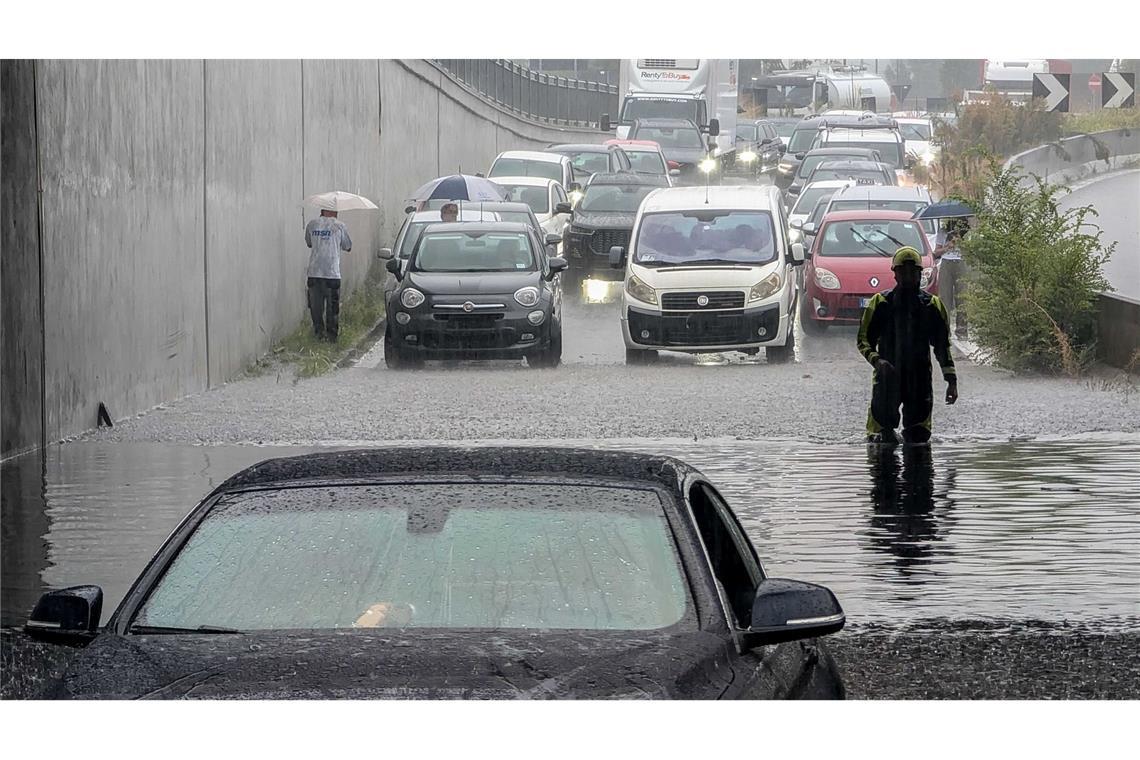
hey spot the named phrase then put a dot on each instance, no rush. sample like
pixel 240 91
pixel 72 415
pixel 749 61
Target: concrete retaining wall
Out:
pixel 172 247
pixel 21 336
pixel 1072 160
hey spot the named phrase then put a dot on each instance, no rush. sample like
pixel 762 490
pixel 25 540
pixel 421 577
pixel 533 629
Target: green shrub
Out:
pixel 1036 273
pixel 1104 120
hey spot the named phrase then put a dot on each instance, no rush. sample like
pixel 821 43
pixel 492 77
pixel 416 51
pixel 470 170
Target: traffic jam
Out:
pixel 711 232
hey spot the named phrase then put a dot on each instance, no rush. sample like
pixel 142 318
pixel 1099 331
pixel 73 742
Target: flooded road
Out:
pixel 1040 530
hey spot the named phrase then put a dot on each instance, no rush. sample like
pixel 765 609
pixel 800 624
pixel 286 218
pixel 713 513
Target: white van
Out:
pixel 709 269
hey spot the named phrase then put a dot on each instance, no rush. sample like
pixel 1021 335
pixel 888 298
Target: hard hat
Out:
pixel 905 255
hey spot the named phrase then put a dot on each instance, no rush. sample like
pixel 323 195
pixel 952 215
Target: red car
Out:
pixel 850 261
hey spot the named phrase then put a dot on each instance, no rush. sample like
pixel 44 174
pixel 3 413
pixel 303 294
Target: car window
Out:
pixel 535 196
pixel 492 556
pixel 870 238
pixel 746 132
pixel 733 563
pixel 889 152
pixel 920 132
pixel 647 162
pixel 474 252
pixel 616 198
pixel 809 196
pixel 687 237
pixel 521 167
pixel 802 139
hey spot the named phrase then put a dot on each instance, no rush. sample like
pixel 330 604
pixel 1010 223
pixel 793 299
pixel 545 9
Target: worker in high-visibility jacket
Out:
pixel 898 329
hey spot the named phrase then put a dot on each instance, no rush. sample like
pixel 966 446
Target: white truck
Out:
pixel 699 89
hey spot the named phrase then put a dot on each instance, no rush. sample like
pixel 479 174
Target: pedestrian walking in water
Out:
pixel 327 236
pixel 898 330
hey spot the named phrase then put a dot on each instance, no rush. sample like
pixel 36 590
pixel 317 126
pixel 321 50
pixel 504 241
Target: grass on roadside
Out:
pixel 359 313
pixel 1101 121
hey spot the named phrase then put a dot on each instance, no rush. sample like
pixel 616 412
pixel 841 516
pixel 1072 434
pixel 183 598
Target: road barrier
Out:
pixel 1079 158
pixel 533 95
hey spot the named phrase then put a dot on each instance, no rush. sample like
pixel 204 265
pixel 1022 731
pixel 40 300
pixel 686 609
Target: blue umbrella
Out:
pixel 944 209
pixel 460 187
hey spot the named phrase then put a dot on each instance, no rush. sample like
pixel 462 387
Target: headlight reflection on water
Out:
pixel 599 291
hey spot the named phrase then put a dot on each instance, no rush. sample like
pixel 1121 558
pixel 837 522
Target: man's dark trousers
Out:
pixel 324 306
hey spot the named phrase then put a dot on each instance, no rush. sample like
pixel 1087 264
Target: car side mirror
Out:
pixel 557 264
pixel 563 208
pixel 384 253
pixel 409 209
pixel 604 123
pixel 393 266
pixel 714 127
pixel 70 615
pixel 553 238
pixel 674 172
pixel 617 257
pixel 787 610
pixel 480 174
pixel 799 156
pixel 809 228
pixel 796 224
pixel 783 149
pixel 766 141
pixel 797 253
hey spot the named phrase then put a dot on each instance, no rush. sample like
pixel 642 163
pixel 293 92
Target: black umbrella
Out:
pixel 945 209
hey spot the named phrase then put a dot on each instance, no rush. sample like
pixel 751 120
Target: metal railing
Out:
pixel 531 95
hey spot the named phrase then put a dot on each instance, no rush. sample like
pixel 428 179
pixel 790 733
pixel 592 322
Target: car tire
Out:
pixel 396 357
pixel 783 354
pixel 551 356
pixel 639 356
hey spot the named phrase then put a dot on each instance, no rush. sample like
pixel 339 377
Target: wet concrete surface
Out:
pixel 1114 196
pixel 822 396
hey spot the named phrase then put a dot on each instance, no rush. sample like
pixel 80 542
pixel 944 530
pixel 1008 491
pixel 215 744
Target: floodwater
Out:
pixel 1040 530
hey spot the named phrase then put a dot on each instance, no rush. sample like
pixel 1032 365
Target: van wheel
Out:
pixel 640 356
pixel 783 354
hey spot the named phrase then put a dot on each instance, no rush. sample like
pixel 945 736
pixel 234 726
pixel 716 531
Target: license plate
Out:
pixel 863 302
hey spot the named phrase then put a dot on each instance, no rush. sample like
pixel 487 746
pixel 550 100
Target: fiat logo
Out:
pixel 469 307
pixel 702 300
pixel 874 282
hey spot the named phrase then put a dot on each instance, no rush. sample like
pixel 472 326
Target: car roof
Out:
pixel 851 164
pixel 838 151
pixel 532 155
pixel 499 205
pixel 458 461
pixel 765 197
pixel 633 146
pixel 465 213
pixel 862 214
pixel 473 228
pixel 866 135
pixel 840 183
pixel 629 178
pixel 532 181
pixel 882 192
pixel 584 147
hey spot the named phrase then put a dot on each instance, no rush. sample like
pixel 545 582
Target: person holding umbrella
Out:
pixel 953 218
pixel 326 237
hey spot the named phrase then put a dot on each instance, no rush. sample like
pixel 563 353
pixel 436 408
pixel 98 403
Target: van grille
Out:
pixel 716 300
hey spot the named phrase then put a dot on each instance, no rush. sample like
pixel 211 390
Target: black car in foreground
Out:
pixel 604 218
pixel 452 572
pixel 479 290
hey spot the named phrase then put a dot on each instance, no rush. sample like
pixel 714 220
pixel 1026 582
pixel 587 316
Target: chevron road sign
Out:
pixel 1054 88
pixel 1118 90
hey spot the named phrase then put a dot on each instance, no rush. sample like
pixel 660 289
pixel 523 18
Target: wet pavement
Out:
pixel 1031 530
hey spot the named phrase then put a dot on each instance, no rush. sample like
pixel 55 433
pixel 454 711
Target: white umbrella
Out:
pixel 339 200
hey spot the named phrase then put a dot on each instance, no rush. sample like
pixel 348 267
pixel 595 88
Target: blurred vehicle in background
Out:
pixel 533 163
pixel 546 198
pixel 588 159
pixel 680 140
pixel 646 157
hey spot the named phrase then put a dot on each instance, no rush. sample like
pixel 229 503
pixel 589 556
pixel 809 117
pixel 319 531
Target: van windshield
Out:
pixel 663 108
pixel 705 237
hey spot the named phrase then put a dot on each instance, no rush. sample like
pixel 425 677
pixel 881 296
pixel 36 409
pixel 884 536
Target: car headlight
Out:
pixel 826 279
pixel 784 168
pixel 766 287
pixel 640 291
pixel 527 296
pixel 927 277
pixel 411 298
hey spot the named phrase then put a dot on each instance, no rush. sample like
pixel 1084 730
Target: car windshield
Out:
pixel 858 176
pixel 802 139
pixel 617 198
pixel 522 167
pixel 870 238
pixel 678 137
pixel 746 132
pixel 415 229
pixel 474 252
pixel 810 162
pixel 646 161
pixel 915 131
pixel 450 556
pixel 784 128
pixel 886 205
pixel 587 163
pixel 889 152
pixel 535 196
pixel 809 197
pixel 699 237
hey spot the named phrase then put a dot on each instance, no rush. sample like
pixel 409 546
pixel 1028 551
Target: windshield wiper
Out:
pixel 868 242
pixel 896 241
pixel 159 629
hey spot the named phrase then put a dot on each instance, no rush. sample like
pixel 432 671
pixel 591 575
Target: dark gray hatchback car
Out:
pixel 449 572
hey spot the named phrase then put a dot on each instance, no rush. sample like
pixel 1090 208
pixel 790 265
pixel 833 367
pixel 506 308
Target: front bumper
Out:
pixel 700 331
pixel 841 307
pixel 503 334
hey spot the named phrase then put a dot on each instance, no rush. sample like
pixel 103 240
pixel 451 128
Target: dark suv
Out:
pixel 603 219
pixel 479 290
